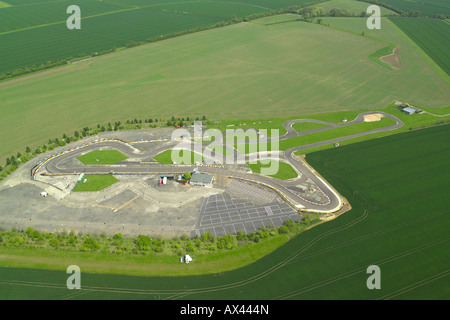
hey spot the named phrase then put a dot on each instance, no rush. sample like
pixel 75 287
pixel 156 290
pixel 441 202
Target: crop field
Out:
pixel 36 33
pixel 409 51
pixel 225 73
pixel 399 221
pixel 35 14
pixel 426 7
pixel 100 33
pixel 431 35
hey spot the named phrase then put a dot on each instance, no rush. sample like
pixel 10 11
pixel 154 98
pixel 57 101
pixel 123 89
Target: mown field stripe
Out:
pixel 60 22
pixel 411 29
pixel 134 7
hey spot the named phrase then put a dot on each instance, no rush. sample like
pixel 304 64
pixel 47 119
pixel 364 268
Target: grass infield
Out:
pixel 166 157
pixel 95 183
pixel 101 157
pixel 285 171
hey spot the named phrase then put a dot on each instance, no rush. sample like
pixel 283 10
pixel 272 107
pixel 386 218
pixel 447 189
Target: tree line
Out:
pixel 144 244
pixel 411 13
pixel 50 64
pixel 14 161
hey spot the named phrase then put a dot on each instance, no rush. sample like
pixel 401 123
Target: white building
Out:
pixel 202 179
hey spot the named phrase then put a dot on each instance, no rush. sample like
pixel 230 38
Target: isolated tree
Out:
pixel 187 175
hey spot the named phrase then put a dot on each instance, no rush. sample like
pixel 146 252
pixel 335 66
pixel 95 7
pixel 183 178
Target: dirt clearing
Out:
pixel 393 59
pixel 373 117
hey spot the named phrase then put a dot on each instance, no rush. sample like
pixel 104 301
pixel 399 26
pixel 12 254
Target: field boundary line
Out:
pixel 442 74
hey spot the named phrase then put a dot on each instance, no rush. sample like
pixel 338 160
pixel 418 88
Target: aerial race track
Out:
pixel 57 165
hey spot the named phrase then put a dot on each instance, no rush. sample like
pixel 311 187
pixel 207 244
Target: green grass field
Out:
pixel 310 138
pixel 426 7
pixel 285 170
pixel 305 126
pixel 399 221
pixel 95 183
pixel 102 157
pixel 353 6
pixel 409 51
pixel 334 133
pixel 36 33
pixel 100 33
pixel 431 35
pixel 225 73
pixel 165 157
pixel 412 122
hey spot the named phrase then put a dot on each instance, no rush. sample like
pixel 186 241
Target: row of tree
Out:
pixel 143 244
pixel 310 13
pixel 411 13
pixel 14 161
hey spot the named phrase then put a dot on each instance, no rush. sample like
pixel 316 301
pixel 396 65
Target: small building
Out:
pixel 187 258
pixel 202 179
pixel 409 110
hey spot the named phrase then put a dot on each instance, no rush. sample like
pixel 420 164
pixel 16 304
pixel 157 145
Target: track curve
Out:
pixel 332 203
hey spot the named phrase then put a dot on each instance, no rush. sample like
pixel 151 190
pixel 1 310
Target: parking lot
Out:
pixel 222 214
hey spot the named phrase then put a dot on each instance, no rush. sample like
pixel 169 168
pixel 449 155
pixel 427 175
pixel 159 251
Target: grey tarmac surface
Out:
pixel 219 210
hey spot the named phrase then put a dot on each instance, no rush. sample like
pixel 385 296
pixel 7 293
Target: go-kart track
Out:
pixel 331 201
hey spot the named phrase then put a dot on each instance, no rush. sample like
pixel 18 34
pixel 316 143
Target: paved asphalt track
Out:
pixel 333 203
